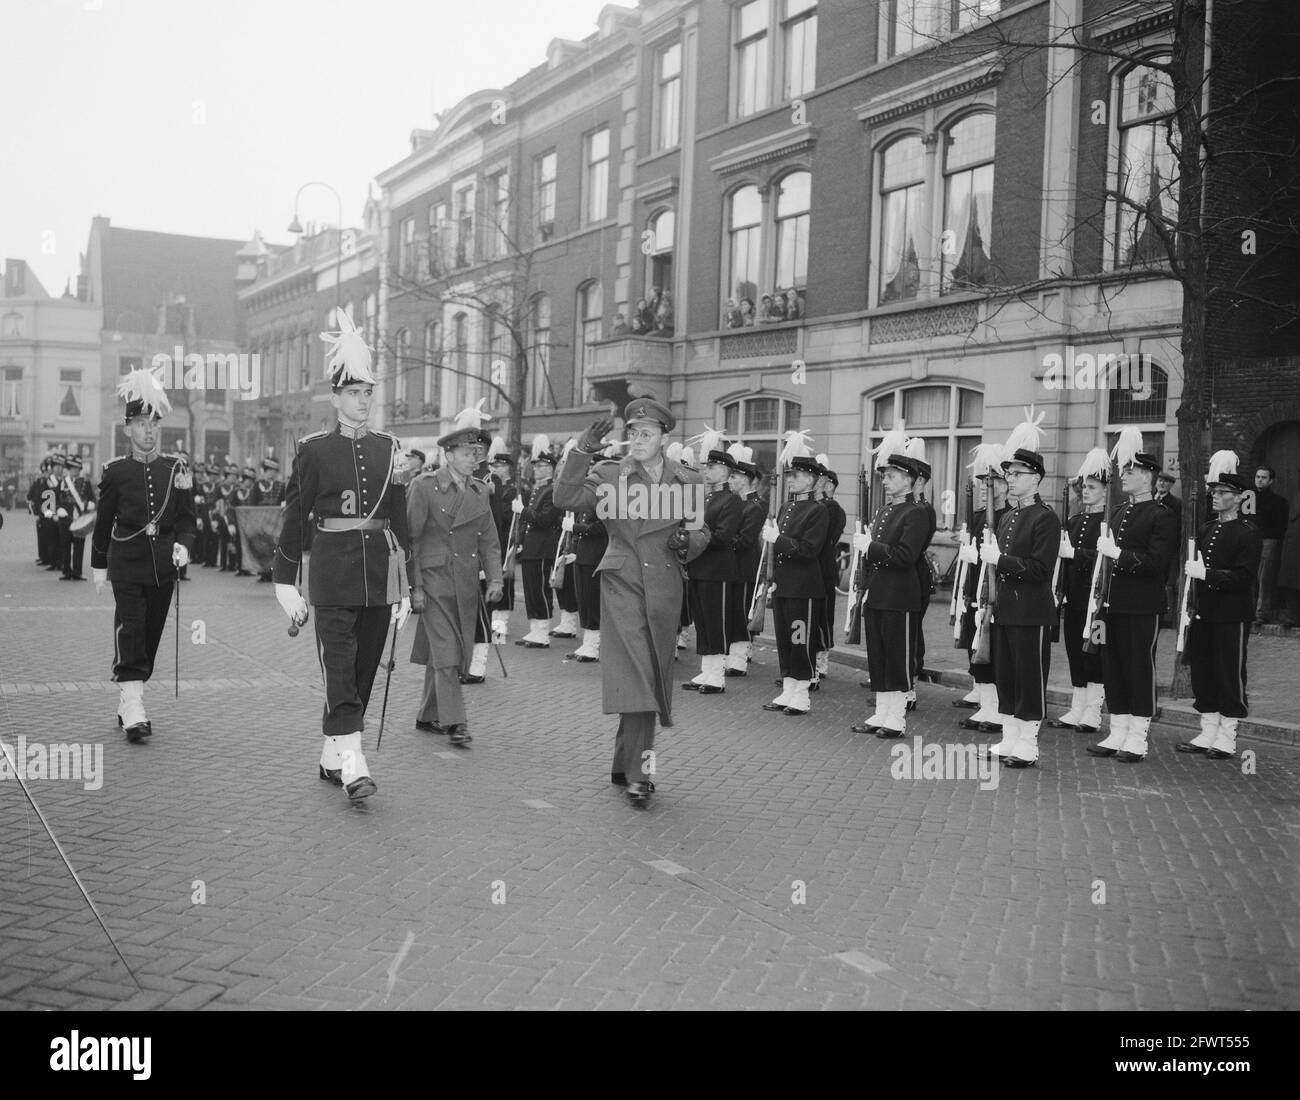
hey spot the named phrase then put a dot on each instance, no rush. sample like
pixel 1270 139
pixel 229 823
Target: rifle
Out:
pixel 765 583
pixel 561 555
pixel 1094 625
pixel 985 593
pixel 1058 583
pixel 1187 606
pixel 961 569
pixel 853 620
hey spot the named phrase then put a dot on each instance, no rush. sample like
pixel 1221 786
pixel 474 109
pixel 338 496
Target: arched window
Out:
pixel 902 181
pixel 1146 171
pixel 659 259
pixel 590 311
pixel 431 394
pixel 793 198
pixel 745 237
pixel 401 368
pixel 968 203
pixel 760 423
pixel 1137 395
pixel 949 418
pixel 539 353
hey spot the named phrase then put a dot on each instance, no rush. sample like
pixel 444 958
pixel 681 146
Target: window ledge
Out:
pixel 974 75
pixel 795 139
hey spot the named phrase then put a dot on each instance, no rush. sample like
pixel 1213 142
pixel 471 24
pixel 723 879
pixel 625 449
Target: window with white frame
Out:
pixel 460 361
pixel 968 203
pixel 499 197
pixel 70 394
pixel 11 391
pixel 1142 404
pixel 744 243
pixel 440 246
pixel 1146 170
pixel 949 418
pixel 539 353
pixel 668 97
pixel 544 169
pixel 793 201
pixel 751 79
pixel 401 365
pixel 761 423
pixel 912 24
pixel 659 259
pixel 595 189
pixel 464 226
pixel 431 390
pixel 798 47
pixel 590 313
pixel 406 248
pixel 370 310
pixel 902 184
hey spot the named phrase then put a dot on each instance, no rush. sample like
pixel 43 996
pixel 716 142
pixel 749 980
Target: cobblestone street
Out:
pixel 779 865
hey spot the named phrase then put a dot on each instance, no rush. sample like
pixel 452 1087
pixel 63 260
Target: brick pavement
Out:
pixel 452 888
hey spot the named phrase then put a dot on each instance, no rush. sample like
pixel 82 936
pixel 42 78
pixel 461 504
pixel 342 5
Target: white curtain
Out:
pixel 893 228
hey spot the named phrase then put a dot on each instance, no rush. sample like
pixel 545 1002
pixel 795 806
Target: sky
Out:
pixel 205 118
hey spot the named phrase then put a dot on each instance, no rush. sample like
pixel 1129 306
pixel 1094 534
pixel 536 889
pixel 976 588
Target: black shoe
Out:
pixel 242 573
pixel 76 578
pixel 1097 750
pixel 332 775
pixel 51 568
pixel 691 685
pixel 862 727
pixel 361 788
pixel 619 779
pixel 736 672
pixel 865 684
pixel 990 727
pixel 709 689
pixel 1126 757
pixel 263 579
pixel 430 727
pixel 533 645
pixel 911 705
pixel 472 679
pixel 1016 762
pixel 458 734
pixel 964 704
pixel 137 733
pixel 1219 754
pixel 67 577
pixel 779 683
pixel 1057 724
pixel 886 734
pixel 1087 729
pixel 585 660
pixel 561 634
pixel 968 724
pixel 639 793
pixel 774 706
pixel 815 686
pixel 795 713
pixel 1187 746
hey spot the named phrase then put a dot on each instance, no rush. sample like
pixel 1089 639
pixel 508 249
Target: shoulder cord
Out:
pixel 380 500
pixel 154 521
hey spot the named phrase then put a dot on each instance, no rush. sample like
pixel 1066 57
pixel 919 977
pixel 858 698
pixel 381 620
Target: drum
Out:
pixel 81 526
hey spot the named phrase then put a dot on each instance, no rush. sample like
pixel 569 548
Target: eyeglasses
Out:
pixel 643 436
pixel 1020 473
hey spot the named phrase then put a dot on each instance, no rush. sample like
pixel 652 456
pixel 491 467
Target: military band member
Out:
pixel 1222 575
pixel 504 493
pixel 891 588
pixel 827 482
pixel 915 450
pixel 795 540
pixel 640 578
pixel 1078 554
pixel 77 497
pixel 744 480
pixel 591 542
pixel 268 492
pixel 1024 612
pixel 539 538
pixel 1143 536
pixel 711 576
pixel 359 561
pixel 144 528
pixel 986 469
pixel 41 497
pixel 453 540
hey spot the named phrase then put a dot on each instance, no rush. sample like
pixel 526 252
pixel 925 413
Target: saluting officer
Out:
pixel 1222 574
pixel 360 554
pixel 796 538
pixel 891 588
pixel 1143 537
pixel 744 480
pixel 144 529
pixel 539 538
pixel 1079 557
pixel 827 482
pixel 718 620
pixel 1024 611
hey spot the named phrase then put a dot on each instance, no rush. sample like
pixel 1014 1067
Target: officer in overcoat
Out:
pixel 645 501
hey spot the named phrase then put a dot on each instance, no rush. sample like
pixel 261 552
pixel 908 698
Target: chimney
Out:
pixel 15 278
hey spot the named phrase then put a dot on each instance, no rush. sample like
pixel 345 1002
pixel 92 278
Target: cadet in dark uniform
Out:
pixel 744 481
pixel 360 558
pixel 144 528
pixel 915 450
pixel 891 589
pixel 268 493
pixel 504 493
pixel 796 538
pixel 242 496
pixel 1143 536
pixel 1078 553
pixel 827 482
pixel 1223 574
pixel 41 498
pixel 202 486
pixel 76 499
pixel 1024 556
pixel 48 515
pixel 713 575
pixel 566 596
pixel 539 537
pixel 590 543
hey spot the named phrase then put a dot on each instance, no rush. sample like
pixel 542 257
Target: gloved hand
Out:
pixel 1106 545
pixel 99 576
pixel 566 524
pixel 969 552
pixel 989 552
pixel 401 612
pixel 494 593
pixel 590 443
pixel 1067 547
pixel 180 556
pixel 62 513
pixel 291 600
pixel 417 600
pixel 679 539
pixel 517 505
pixel 770 532
pixel 862 541
pixel 1195 569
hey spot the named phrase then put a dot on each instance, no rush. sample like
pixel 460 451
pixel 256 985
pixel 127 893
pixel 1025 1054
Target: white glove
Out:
pixel 291 600
pixel 1195 569
pixel 1067 547
pixel 989 552
pixel 401 612
pixel 969 552
pixel 180 556
pixel 770 531
pixel 1106 545
pixel 62 513
pixel 517 505
pixel 566 524
pixel 99 576
pixel 862 541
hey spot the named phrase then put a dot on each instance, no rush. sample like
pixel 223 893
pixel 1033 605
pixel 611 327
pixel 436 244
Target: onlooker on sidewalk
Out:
pixel 1288 572
pixel 1271 519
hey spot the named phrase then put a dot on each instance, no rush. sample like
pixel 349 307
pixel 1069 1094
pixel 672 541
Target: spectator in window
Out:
pixel 746 312
pixel 771 309
pixel 793 306
pixel 621 327
pixel 664 315
pixel 1271 514
pixel 640 324
pixel 731 314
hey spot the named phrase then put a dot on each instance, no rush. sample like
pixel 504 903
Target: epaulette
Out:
pixel 309 438
pixel 112 460
pixel 384 435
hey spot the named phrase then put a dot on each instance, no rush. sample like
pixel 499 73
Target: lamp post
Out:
pixel 295 226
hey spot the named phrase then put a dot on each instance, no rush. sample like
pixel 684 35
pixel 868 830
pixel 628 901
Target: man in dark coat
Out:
pixel 1223 575
pixel 711 577
pixel 539 538
pixel 647 503
pixel 1271 519
pixel 916 451
pixel 590 542
pixel 827 482
pixel 503 496
pixel 744 481
pixel 1288 573
pixel 144 529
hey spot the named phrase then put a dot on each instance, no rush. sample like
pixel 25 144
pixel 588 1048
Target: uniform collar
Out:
pixel 349 432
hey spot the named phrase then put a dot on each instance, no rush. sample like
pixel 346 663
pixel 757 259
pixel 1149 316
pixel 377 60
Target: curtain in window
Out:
pixel 1147 176
pixel 900 268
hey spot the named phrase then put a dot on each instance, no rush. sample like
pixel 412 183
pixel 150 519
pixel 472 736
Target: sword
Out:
pixel 387 682
pixel 68 864
pixel 178 634
pixel 487 629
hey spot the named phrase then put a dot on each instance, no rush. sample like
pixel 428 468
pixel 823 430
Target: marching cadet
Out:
pixel 567 594
pixel 827 482
pixel 1143 536
pixel 144 528
pixel 986 469
pixel 712 575
pixel 1024 612
pixel 591 542
pixel 539 538
pixel 1222 574
pixel 505 492
pixel 640 579
pixel 359 562
pixel 891 588
pixel 915 450
pixel 795 540
pixel 1078 553
pixel 744 480
pixel 76 499
pixel 453 540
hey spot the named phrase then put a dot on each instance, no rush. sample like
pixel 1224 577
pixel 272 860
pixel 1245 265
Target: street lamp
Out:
pixel 295 226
